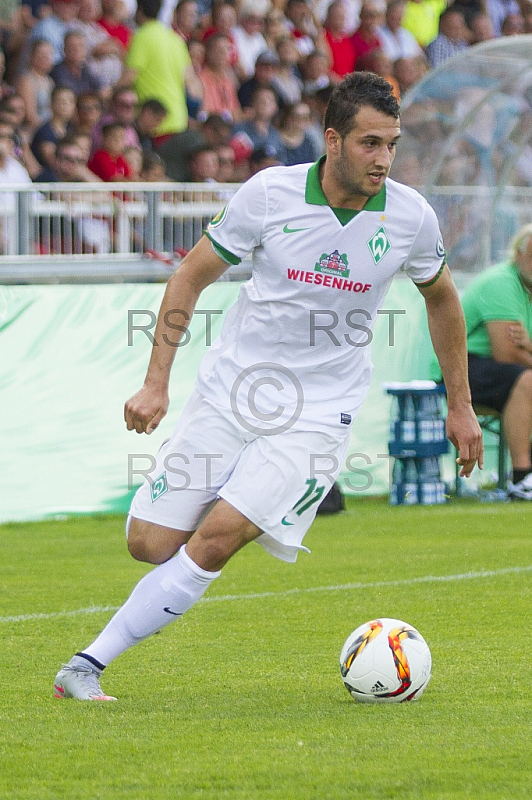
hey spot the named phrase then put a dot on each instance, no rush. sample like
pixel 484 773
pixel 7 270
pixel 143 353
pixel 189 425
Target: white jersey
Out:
pixel 295 346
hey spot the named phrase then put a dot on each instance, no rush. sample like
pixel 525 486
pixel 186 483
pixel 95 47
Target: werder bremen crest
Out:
pixel 333 264
pixel 159 487
pixel 379 245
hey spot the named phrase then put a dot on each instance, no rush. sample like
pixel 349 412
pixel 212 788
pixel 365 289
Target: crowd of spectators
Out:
pixel 125 90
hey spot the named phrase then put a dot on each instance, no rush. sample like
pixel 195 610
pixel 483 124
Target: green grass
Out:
pixel 242 698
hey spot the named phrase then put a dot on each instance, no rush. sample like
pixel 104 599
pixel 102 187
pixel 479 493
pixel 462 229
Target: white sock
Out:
pixel 163 595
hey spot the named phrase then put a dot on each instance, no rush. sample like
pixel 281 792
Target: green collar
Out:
pixel 314 196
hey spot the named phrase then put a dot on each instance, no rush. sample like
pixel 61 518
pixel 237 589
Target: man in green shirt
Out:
pixel 498 312
pixel 159 66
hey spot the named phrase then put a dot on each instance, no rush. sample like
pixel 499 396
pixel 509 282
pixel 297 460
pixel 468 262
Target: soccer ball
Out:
pixel 385 661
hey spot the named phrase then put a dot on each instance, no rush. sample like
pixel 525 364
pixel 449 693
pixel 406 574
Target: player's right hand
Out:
pixel 144 411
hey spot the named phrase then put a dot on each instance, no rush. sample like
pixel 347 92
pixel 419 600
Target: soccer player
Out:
pixel 277 392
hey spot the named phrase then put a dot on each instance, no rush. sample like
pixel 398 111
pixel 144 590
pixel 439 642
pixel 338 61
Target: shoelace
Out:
pixel 89 678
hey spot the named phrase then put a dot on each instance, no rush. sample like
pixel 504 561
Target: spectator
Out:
pixel 73 72
pixel 153 168
pixel 421 18
pixel 11 171
pixel 248 38
pixel 186 18
pixel 366 37
pixel 300 26
pixel 112 22
pixel 35 85
pixel 341 47
pixel 408 72
pixel 84 142
pixel 53 28
pixel 105 54
pixel 469 9
pixel 124 110
pixel 80 232
pixel 176 151
pixel 259 130
pixel 315 72
pixel 378 62
pixel 262 158
pixel 204 165
pixel 67 164
pixel 5 88
pixel 48 135
pixel 218 80
pixel 224 20
pixel 286 81
pixel 226 164
pixel 196 51
pixel 134 157
pixel 159 63
pixel 513 25
pixel 318 102
pixel 481 28
pixel 88 113
pixel 109 163
pixel 274 27
pixel 298 146
pixel 150 117
pixel 499 326
pixel 13 112
pixel 451 39
pixel 397 42
pixel 499 10
pixel 265 69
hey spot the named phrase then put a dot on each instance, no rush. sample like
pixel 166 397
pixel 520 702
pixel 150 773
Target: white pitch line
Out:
pixel 463 576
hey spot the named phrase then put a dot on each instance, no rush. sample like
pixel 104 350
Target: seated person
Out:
pixel 109 163
pixel 498 311
pixel 48 135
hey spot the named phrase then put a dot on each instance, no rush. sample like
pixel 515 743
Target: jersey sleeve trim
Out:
pixel 424 284
pixel 224 254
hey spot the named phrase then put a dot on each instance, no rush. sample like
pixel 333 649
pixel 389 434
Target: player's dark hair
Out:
pixel 356 90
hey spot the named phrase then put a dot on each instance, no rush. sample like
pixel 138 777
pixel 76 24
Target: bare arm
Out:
pixel 201 267
pixel 448 334
pixel 510 342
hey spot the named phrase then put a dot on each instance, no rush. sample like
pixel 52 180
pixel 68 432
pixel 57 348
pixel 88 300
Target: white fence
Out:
pixel 69 230
pixel 94 221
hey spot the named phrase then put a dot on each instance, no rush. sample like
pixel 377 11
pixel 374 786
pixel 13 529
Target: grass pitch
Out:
pixel 242 698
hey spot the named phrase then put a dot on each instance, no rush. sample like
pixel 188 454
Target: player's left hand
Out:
pixel 464 432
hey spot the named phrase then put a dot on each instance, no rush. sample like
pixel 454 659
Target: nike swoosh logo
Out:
pixel 59 689
pixel 168 611
pixel 286 229
pixel 285 523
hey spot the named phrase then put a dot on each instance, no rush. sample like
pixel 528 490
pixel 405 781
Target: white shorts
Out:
pixel 276 481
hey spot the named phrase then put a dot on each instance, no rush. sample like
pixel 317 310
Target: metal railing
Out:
pixel 54 220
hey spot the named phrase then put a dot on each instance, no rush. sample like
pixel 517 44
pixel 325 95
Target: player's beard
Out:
pixel 343 171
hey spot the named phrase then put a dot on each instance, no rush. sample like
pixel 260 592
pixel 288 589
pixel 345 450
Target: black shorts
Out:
pixel 491 381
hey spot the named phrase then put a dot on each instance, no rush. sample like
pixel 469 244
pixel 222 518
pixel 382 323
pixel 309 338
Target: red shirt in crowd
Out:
pixel 343 53
pixel 120 32
pixel 108 167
